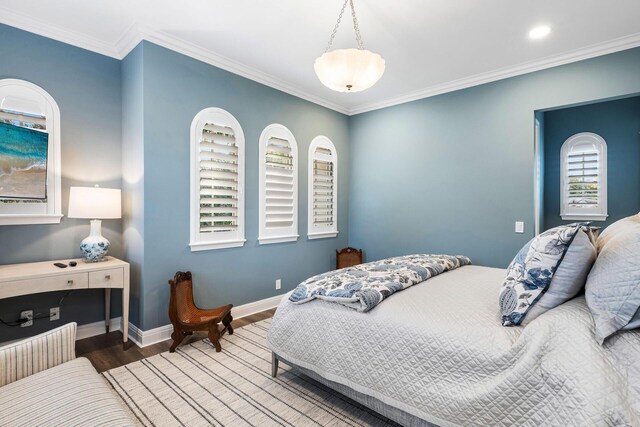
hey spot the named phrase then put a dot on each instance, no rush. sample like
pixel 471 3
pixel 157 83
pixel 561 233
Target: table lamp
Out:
pixel 95 203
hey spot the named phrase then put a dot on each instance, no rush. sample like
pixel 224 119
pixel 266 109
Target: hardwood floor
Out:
pixel 105 351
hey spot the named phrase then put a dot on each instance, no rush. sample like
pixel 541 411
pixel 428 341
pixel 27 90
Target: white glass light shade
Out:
pixel 349 70
pixel 95 203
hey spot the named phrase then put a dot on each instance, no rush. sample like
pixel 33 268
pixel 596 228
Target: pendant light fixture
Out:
pixel 349 70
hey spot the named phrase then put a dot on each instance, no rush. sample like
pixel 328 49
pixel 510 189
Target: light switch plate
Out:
pixel 278 284
pixel 519 227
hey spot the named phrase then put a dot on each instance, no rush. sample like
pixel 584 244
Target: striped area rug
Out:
pixel 195 386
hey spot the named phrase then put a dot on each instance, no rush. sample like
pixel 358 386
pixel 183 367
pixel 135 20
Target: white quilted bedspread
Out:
pixel 439 352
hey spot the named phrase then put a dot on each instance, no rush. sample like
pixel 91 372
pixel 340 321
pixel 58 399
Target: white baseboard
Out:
pixel 152 336
pixel 145 338
pixel 245 310
pixel 98 328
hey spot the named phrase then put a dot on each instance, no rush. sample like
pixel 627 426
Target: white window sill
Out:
pixel 28 219
pixel 279 239
pixel 588 217
pixel 205 246
pixel 324 235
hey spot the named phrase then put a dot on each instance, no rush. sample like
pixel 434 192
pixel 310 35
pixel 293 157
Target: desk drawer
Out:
pixel 60 282
pixel 110 278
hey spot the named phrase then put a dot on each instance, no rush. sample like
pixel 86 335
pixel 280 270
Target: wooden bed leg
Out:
pixel 274 365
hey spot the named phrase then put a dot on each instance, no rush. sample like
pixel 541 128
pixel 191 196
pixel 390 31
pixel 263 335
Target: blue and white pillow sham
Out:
pixel 531 272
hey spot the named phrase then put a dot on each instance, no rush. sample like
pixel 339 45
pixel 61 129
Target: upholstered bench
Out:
pixel 43 384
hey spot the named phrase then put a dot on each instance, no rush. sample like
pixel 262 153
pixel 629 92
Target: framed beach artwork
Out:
pixel 23 162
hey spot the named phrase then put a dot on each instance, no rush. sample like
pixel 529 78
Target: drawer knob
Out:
pixel 70 282
pixel 107 277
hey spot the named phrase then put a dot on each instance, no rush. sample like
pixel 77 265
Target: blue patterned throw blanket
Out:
pixel 364 286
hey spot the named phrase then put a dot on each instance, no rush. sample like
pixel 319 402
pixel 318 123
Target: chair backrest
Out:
pixel 181 305
pixel 347 257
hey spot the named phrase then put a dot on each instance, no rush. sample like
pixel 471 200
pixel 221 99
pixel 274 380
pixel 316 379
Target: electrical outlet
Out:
pixel 54 313
pixel 519 227
pixel 278 284
pixel 27 314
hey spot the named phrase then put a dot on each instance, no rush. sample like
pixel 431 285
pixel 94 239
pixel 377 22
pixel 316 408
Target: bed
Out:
pixel 437 354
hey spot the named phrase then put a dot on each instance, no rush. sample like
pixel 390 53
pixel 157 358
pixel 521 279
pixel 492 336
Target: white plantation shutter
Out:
pixel 278 186
pixel 217 189
pixel 323 190
pixel 582 173
pixel 218 179
pixel 583 183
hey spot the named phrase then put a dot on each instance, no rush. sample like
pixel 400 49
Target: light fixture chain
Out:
pixel 335 29
pixel 356 27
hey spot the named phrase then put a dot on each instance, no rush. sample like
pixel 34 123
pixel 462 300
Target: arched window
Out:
pixel 323 189
pixel 278 186
pixel 30 189
pixel 583 191
pixel 217 181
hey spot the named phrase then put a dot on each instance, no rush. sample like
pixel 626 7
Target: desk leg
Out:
pixel 107 308
pixel 125 309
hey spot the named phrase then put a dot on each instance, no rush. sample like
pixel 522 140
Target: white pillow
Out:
pixel 615 229
pixel 613 285
pixel 570 277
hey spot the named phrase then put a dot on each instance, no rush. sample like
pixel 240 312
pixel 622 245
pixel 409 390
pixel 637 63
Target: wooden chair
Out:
pixel 186 317
pixel 347 257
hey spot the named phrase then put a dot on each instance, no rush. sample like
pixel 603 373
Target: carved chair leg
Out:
pixel 227 323
pixel 177 336
pixel 214 336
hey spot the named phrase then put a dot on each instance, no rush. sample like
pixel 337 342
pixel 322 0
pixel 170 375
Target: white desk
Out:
pixel 38 277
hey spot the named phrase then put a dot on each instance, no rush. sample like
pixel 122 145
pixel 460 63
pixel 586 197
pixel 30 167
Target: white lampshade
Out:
pixel 95 203
pixel 349 70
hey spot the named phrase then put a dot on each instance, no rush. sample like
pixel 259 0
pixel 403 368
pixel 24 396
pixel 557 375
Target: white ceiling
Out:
pixel 430 46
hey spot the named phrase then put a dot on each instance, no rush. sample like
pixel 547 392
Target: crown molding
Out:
pixel 45 29
pixel 128 41
pixel 595 50
pixel 137 33
pixel 194 51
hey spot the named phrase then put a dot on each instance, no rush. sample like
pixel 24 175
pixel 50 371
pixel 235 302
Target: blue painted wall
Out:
pixel 452 173
pixel 176 88
pixel 618 122
pixel 86 87
pixel 133 175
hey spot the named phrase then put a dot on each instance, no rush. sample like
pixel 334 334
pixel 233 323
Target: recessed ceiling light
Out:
pixel 539 32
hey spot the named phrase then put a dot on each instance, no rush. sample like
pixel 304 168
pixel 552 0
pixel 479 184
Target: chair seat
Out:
pixel 194 315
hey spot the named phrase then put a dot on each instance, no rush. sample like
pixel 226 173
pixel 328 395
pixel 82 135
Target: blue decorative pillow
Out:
pixel 531 271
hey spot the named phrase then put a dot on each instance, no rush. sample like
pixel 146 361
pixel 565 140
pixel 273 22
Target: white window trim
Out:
pixel 40 102
pixel 537 177
pixel 205 241
pixel 322 142
pixel 284 234
pixel 596 214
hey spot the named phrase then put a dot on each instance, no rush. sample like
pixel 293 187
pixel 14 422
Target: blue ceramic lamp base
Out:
pixel 95 247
